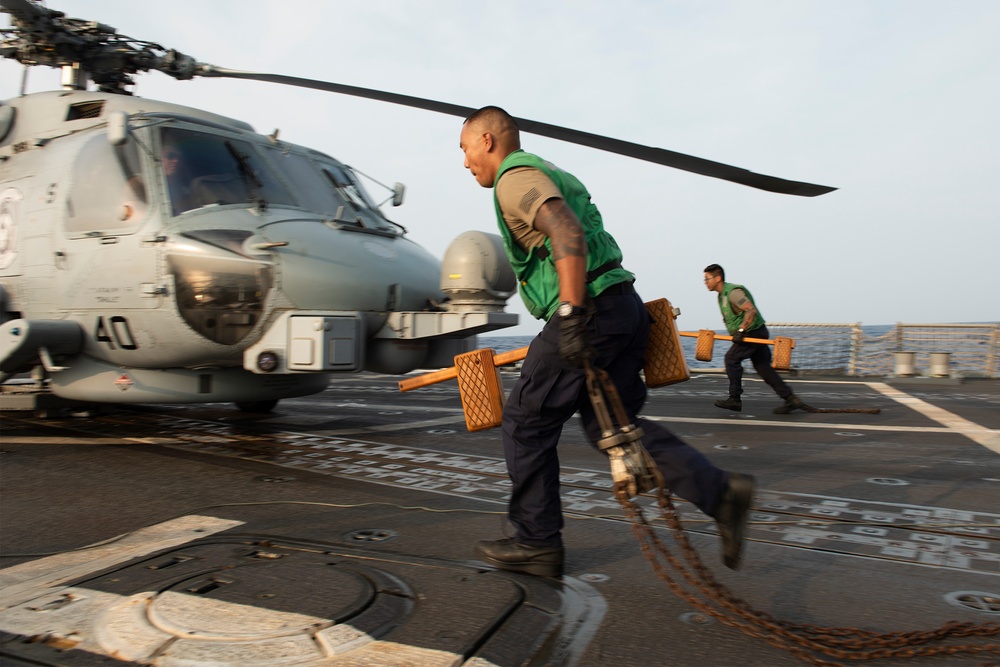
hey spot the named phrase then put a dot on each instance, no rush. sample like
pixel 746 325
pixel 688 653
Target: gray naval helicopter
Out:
pixel 156 253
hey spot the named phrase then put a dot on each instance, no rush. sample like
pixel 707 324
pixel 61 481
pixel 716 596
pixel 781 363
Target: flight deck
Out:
pixel 339 530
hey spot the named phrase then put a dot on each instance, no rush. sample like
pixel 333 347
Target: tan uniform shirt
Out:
pixel 737 298
pixel 521 192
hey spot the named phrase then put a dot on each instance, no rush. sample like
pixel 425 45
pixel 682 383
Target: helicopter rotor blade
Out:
pixel 24 9
pixel 661 156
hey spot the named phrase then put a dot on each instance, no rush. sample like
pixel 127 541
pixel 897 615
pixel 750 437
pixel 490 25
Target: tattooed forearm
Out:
pixel 555 220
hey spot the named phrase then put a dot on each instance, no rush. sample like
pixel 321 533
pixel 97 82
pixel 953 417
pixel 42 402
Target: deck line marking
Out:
pixel 783 424
pixel 989 438
pixel 26 581
pixel 49 440
pixel 886 503
pixel 801 380
pixel 385 428
pixel 459 418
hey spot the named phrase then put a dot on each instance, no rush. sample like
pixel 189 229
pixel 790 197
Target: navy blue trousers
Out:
pixel 760 356
pixel 549 392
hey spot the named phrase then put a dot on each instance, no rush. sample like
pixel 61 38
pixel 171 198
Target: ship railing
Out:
pixel 973 350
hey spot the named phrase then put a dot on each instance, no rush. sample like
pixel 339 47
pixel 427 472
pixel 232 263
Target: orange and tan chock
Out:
pixel 481 388
pixel 706 341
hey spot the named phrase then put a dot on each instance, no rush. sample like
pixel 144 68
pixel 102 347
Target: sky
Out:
pixel 894 102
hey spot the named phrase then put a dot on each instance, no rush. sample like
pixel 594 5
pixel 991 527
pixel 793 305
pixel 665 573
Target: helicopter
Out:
pixel 158 253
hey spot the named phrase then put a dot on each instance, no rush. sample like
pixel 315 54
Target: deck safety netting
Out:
pixel 973 349
pixel 821 347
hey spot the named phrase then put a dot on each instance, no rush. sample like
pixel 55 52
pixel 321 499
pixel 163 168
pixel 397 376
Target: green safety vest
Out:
pixel 733 318
pixel 535 268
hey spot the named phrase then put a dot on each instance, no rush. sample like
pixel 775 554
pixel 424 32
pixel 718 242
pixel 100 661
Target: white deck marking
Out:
pixel 989 438
pixel 459 418
pixel 402 426
pixel 75 440
pixel 26 581
pixel 175 629
pixel 784 424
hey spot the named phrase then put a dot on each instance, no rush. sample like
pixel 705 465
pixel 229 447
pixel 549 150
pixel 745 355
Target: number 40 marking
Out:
pixel 116 332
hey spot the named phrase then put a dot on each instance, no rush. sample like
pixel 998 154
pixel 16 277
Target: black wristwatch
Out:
pixel 566 309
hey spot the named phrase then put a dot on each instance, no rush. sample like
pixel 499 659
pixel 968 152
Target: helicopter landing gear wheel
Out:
pixel 257 406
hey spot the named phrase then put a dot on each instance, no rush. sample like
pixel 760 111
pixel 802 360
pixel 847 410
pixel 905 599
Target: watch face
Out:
pixel 565 309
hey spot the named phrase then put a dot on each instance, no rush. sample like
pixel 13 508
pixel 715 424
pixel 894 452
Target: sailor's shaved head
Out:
pixel 488 136
pixel 497 122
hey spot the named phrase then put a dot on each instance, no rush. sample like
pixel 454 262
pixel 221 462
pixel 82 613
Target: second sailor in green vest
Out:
pixel 743 320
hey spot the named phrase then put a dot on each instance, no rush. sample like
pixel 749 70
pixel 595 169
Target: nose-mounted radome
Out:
pixel 221 287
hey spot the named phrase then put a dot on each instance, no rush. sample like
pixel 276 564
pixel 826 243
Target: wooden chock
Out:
pixel 704 345
pixel 481 389
pixel 663 363
pixel 782 353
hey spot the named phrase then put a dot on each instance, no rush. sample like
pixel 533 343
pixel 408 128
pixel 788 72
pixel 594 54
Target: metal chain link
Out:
pixel 806 641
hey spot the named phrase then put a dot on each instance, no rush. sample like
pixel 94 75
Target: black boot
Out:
pixel 731 403
pixel 731 516
pixel 507 554
pixel 793 402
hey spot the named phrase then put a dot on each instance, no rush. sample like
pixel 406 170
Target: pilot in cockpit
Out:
pixel 176 169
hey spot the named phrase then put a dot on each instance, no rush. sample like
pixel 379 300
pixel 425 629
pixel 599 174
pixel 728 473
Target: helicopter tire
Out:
pixel 257 406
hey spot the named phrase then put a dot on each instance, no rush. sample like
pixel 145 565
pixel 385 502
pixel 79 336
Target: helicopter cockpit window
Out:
pixel 108 194
pixel 311 187
pixel 203 169
pixel 329 189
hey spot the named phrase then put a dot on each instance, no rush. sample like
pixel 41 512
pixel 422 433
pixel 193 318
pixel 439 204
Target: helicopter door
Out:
pixel 109 268
pixel 31 256
pixel 11 221
pixel 108 195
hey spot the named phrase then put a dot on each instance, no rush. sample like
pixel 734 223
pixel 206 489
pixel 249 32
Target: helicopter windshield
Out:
pixel 203 169
pixel 329 188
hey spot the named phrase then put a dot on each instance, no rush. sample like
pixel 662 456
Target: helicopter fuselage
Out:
pixel 153 252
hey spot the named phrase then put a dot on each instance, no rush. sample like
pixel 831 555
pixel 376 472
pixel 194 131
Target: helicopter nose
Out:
pixel 327 268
